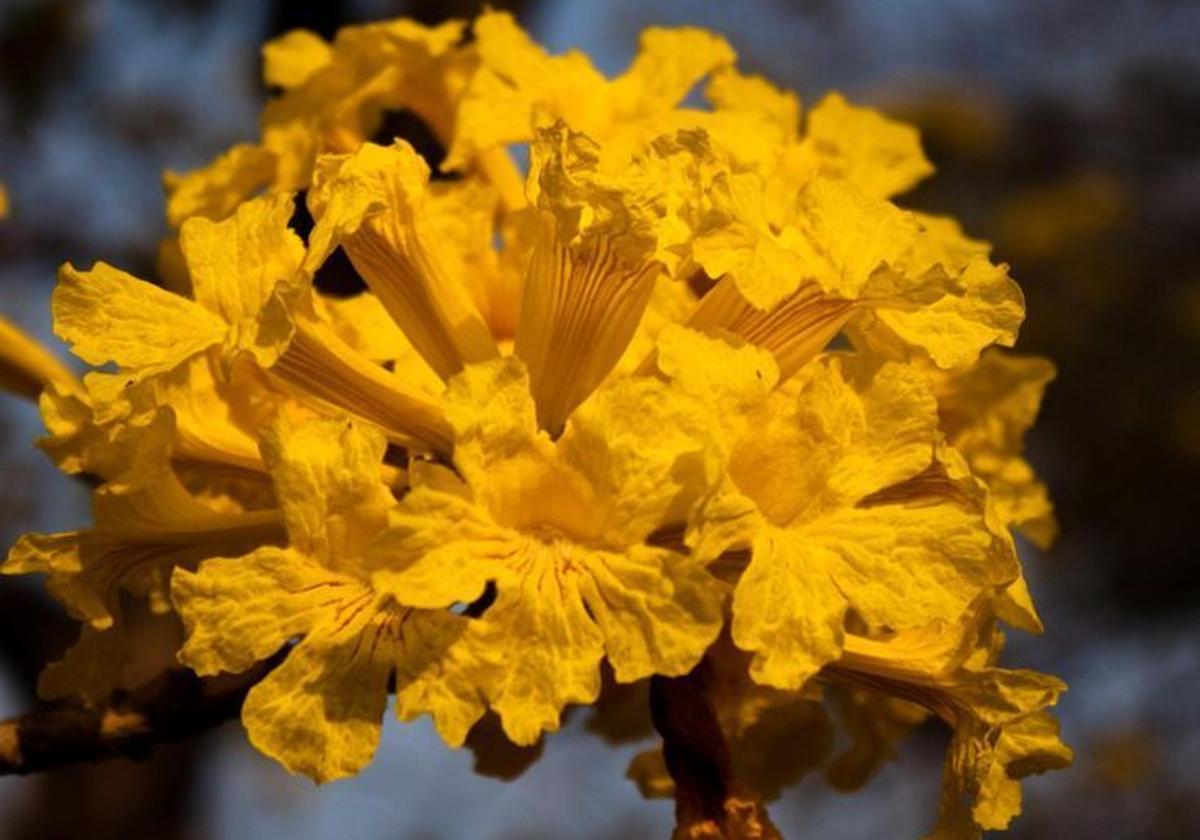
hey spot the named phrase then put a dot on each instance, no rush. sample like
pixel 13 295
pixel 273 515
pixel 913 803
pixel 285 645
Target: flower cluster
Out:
pixel 690 389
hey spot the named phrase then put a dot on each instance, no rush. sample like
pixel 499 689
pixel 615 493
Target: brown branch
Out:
pixel 709 801
pixel 174 706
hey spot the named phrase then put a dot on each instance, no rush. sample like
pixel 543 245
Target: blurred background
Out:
pixel 1067 132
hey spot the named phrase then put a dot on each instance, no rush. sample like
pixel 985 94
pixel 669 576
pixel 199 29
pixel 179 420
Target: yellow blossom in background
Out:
pixel 691 395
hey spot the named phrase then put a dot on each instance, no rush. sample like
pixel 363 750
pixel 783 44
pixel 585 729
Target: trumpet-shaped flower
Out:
pixel 319 712
pixel 251 300
pixel 562 530
pixel 1001 729
pixel 145 524
pixel 802 498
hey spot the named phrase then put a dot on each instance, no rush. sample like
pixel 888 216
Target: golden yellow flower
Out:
pixel 145 523
pixel 319 712
pixel 562 530
pixel 583 420
pixel 1002 731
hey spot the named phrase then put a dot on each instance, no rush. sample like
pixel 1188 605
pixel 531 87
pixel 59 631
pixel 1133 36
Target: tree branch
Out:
pixel 710 804
pixel 173 706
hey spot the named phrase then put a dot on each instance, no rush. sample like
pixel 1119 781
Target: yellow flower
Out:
pixel 1002 732
pixel 518 88
pixel 978 304
pixel 145 523
pixel 333 98
pixel 900 283
pixel 562 528
pixel 319 712
pixel 252 300
pixel 803 497
pixel 985 411
pixel 878 156
pixel 579 423
pixel 377 204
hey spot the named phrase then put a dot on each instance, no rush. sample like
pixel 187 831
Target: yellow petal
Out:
pixel 880 156
pixel 985 411
pixel 429 675
pixel 515 81
pixel 648 452
pixel 980 307
pixel 731 90
pixel 235 264
pixel 72 441
pixel 716 370
pixel 657 610
pixel 669 64
pixel 902 567
pixel 215 191
pixel 833 436
pixel 537 650
pixel 439 549
pixel 326 475
pixel 293 57
pixel 108 315
pixel 788 610
pixel 321 711
pixel 240 610
pixel 942 242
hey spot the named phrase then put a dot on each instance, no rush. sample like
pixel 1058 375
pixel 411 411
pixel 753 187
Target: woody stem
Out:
pixel 709 802
pixel 174 706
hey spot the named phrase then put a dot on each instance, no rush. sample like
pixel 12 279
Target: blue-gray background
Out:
pixel 1067 131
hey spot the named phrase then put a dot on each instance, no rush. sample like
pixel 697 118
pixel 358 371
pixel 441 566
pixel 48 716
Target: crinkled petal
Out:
pixel 327 480
pixel 788 609
pixel 669 64
pixel 240 610
pixel 516 81
pixel 107 315
pixel 438 549
pixel 236 264
pixel 658 610
pixel 880 156
pixel 320 712
pixel 980 307
pixel 215 191
pixel 536 649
